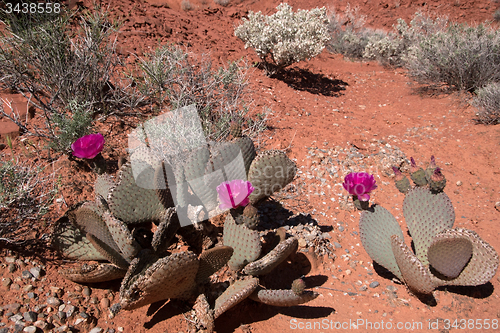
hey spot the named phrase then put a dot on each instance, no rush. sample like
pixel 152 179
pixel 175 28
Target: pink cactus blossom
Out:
pixel 360 184
pixel 88 146
pixel 234 193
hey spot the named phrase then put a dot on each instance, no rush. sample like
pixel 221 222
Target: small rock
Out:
pixel 30 329
pixel 31 295
pixel 374 284
pixel 15 286
pixel 94 300
pixel 341 228
pixel 53 301
pixel 337 245
pixel 14 307
pixel 27 275
pixel 12 267
pixel 28 287
pixel 497 206
pixel 30 316
pixel 104 303
pixel 363 288
pixel 459 183
pixel 120 329
pixel 36 272
pixel 96 330
pixel 70 310
pixel 392 288
pixel 41 324
pixel 6 282
pixel 302 242
pixel 78 288
pixel 86 291
pixel 15 318
pixel 10 260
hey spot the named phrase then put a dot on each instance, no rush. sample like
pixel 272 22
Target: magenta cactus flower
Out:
pixel 234 193
pixel 360 184
pixel 88 146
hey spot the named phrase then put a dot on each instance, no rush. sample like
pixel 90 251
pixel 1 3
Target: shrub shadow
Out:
pixel 304 80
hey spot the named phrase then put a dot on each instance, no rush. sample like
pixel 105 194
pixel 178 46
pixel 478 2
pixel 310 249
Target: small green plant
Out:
pixel 487 102
pixel 285 37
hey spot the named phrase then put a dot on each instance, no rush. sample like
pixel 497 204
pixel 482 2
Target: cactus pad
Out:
pixel 449 254
pixel 108 252
pixel 245 242
pixel 131 203
pixel 282 297
pixel 165 231
pixel 234 294
pixel 122 237
pixel 103 184
pixel 71 241
pixel 482 266
pixel 376 228
pixel 416 276
pixel 275 257
pixel 426 215
pixel 270 172
pixel 169 277
pixel 211 261
pixel 204 314
pixel 93 273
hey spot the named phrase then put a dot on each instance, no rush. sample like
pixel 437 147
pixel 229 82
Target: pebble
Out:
pixel 70 310
pixel 15 286
pixel 374 284
pixel 6 282
pixel 104 303
pixel 28 287
pixel 12 267
pixel 27 275
pixel 459 183
pixel 363 288
pixel 41 324
pixel 30 329
pixel 96 330
pixel 30 316
pixel 10 260
pixel 302 242
pixel 15 318
pixel 31 295
pixel 392 288
pixel 53 301
pixel 36 272
pixel 87 291
pixel 337 245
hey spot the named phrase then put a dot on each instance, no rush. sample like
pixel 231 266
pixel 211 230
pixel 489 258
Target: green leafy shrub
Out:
pixel 487 102
pixel 285 37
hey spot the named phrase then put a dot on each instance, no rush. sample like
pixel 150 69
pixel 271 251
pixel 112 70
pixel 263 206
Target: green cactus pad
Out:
pixel 165 231
pixel 204 315
pixel 93 273
pixel 449 254
pixel 103 184
pixel 145 154
pixel 275 257
pixel 282 297
pixel 194 170
pixel 122 237
pixel 131 203
pixel 245 242
pixel 180 191
pixel 376 227
pixel 247 150
pixel 164 173
pixel 403 185
pixel 426 214
pixel 211 261
pixel 270 172
pixel 89 218
pixel 113 256
pixel 71 241
pixel 169 277
pixel 416 276
pixel 419 177
pixel 483 265
pixel 234 294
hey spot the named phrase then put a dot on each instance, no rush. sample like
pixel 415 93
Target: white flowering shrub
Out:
pixel 285 37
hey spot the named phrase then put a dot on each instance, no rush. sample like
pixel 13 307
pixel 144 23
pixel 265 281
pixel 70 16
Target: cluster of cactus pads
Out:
pixel 444 256
pixel 128 229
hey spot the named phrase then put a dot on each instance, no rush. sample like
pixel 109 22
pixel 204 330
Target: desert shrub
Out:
pixel 223 3
pixel 186 5
pixel 285 37
pixel 462 57
pixel 26 193
pixel 393 49
pixel 53 66
pixel 170 77
pixel 349 36
pixel 487 102
pixel 496 15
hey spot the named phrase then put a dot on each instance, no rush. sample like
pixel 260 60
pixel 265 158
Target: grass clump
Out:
pixel 487 102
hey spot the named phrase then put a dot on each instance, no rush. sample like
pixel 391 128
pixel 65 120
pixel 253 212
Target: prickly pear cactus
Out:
pixel 443 255
pixel 270 172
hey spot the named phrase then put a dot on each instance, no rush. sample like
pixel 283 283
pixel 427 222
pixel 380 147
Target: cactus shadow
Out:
pixel 304 80
pixel 482 291
pixel 163 310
